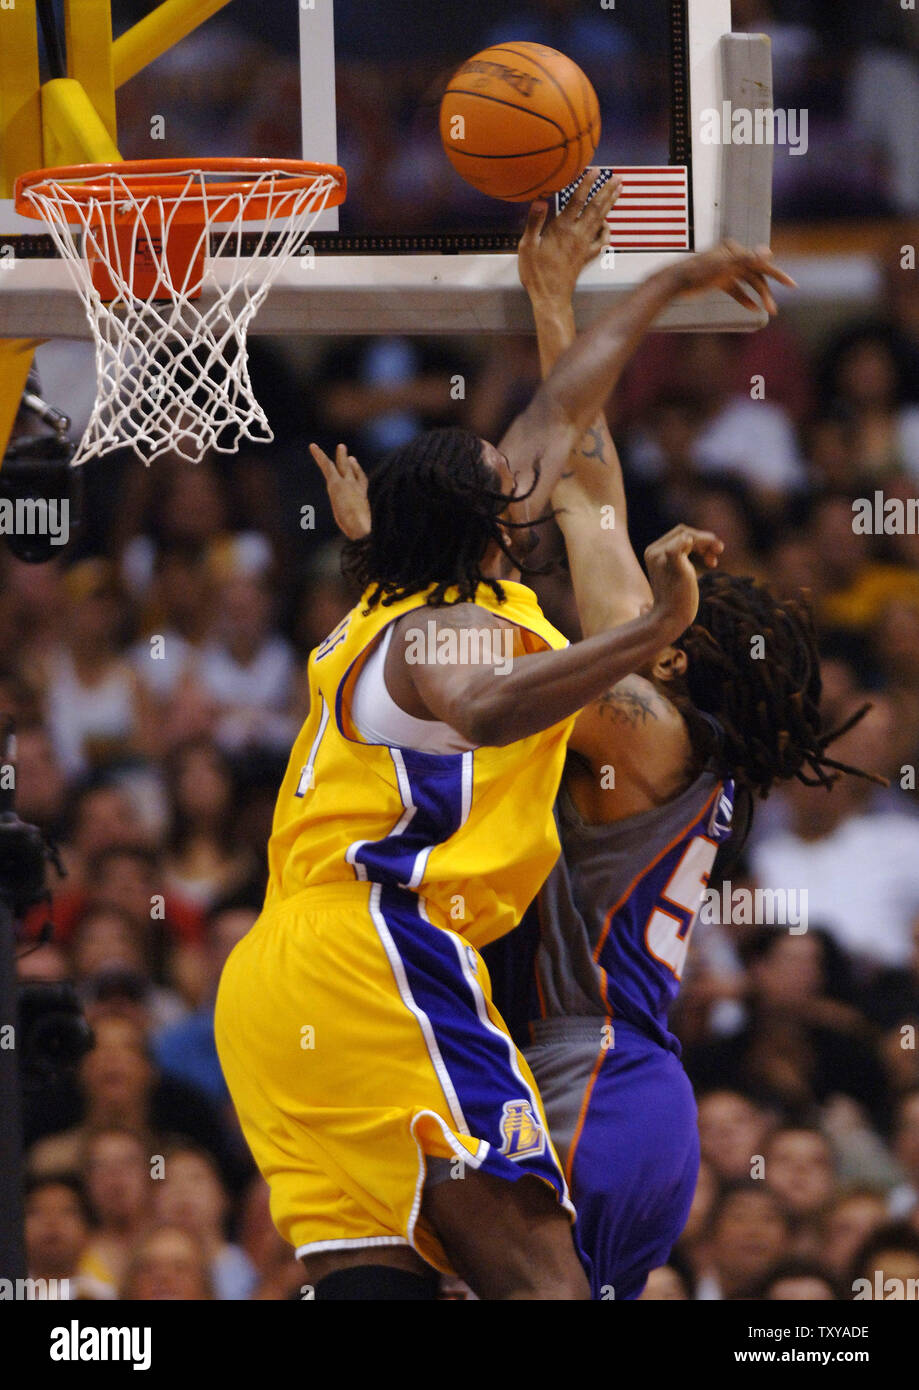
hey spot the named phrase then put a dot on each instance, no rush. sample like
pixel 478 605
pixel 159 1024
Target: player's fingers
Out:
pixel 341 459
pixel 709 548
pixel 601 202
pixel 676 544
pixel 743 298
pixel 687 538
pixel 536 220
pixel 600 239
pixel 781 276
pixel 768 267
pixel 579 196
pixel 326 466
pixel 755 281
pixel 761 262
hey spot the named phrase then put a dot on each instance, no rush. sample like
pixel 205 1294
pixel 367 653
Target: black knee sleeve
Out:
pixel 376 1282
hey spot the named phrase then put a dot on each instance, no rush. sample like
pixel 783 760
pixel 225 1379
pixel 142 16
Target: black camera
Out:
pixel 40 494
pixel 52 1034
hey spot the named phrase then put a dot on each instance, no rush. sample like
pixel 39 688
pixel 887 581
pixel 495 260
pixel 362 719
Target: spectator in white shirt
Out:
pixel 248 670
pixel 859 866
pixel 743 436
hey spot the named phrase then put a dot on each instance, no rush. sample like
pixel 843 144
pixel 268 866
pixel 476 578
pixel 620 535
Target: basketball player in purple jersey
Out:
pixel 661 772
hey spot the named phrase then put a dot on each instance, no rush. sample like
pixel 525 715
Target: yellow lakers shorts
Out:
pixel 358 1041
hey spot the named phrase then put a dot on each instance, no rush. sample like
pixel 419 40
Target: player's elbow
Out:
pixel 482 719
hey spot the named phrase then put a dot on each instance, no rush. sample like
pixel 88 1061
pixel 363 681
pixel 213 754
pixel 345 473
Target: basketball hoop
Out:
pixel 170 337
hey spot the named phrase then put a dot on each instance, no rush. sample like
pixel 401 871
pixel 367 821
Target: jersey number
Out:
pixel 667 935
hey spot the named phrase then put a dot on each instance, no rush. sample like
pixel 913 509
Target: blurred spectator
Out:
pixel 116 1172
pixel 379 393
pixel 690 1247
pixel 325 600
pixel 887 1265
pixel 799 1170
pixel 735 435
pixel 187 1050
pixel 851 586
pixel 246 669
pixel 41 784
pixel 57 1234
pixel 111 960
pixel 665 1285
pixel 732 1131
pixel 893 997
pixel 118 1086
pixel 848 1222
pixel 204 862
pixel 884 105
pixel 191 1196
pixel 281 1275
pixel 94 703
pixel 858 866
pixel 797 1281
pixel 749 1234
pixel 176 619
pixel 798 1048
pixel 905 1198
pixel 864 376
pixel 168 1265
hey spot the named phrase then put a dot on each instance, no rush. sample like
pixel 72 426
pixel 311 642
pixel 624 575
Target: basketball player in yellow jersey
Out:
pixel 366 1061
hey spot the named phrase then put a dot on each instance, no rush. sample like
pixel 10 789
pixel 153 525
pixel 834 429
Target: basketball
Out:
pixel 519 121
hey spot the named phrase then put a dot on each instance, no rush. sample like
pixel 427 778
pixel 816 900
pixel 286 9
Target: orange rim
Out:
pixel 165 177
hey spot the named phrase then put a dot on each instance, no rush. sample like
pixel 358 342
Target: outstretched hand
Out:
pixel 346 484
pixel 550 258
pixel 736 270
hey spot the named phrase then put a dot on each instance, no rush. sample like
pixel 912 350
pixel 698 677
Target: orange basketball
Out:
pixel 519 121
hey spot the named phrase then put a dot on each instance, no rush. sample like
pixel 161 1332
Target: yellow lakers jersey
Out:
pixel 471 833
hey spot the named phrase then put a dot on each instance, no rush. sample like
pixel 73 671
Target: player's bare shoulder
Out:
pixel 428 635
pixel 634 730
pixel 435 646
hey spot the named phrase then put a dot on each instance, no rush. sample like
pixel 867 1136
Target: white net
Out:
pixel 171 361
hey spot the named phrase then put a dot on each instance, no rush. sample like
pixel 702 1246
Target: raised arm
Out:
pixel 610 586
pixel 569 400
pixel 498 702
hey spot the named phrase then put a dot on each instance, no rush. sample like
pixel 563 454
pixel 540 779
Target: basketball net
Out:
pixel 170 337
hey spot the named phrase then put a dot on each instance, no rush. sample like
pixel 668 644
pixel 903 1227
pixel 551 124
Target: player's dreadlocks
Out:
pixel 769 709
pixel 435 508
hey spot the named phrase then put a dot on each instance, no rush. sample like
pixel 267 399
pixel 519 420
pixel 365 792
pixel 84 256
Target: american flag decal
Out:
pixel 652 212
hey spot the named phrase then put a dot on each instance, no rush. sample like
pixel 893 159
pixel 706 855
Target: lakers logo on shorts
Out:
pixel 524 1136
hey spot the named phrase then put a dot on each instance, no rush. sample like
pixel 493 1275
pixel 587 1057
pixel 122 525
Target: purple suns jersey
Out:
pixel 617 912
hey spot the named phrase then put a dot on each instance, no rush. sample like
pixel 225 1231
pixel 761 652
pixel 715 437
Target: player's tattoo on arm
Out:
pixel 596 451
pixel 626 704
pixel 595 435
